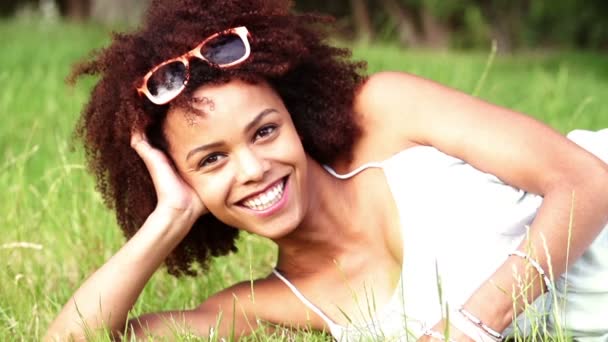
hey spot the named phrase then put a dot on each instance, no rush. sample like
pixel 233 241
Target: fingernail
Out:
pixel 136 141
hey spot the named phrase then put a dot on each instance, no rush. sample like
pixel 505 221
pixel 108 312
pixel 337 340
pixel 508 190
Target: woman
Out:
pixel 220 116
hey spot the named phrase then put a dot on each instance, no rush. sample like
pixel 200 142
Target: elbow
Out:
pixel 596 179
pixel 587 188
pixel 78 332
pixel 599 183
pixel 591 167
pixel 63 333
pixel 62 336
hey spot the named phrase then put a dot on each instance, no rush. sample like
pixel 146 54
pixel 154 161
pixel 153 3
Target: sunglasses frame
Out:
pixel 240 31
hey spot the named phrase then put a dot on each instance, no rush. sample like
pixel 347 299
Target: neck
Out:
pixel 329 229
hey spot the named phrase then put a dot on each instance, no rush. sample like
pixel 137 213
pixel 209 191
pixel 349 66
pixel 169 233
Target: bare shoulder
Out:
pixel 387 86
pixel 388 100
pixel 392 106
pixel 382 106
pixel 235 311
pixel 513 146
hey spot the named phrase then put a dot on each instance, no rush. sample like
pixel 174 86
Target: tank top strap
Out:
pixel 353 172
pixel 333 327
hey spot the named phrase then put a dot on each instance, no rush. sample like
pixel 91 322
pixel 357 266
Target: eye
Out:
pixel 265 132
pixel 211 159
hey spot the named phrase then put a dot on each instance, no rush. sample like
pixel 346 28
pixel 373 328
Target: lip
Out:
pixel 277 206
pixel 253 194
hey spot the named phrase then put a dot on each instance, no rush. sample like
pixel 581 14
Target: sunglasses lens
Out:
pixel 224 49
pixel 167 80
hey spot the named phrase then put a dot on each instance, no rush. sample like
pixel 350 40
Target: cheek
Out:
pixel 213 192
pixel 290 147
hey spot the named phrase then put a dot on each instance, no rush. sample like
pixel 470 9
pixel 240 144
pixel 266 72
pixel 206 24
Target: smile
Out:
pixel 267 199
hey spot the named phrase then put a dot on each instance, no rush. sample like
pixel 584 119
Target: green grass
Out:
pixel 48 200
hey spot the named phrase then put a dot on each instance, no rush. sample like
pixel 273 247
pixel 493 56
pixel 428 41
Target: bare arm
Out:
pixel 103 301
pixel 105 298
pixel 517 149
pixel 229 313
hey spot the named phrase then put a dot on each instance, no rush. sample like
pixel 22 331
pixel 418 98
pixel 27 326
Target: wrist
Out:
pixel 446 331
pixel 498 315
pixel 498 300
pixel 174 218
pixel 511 289
pixel 473 327
pixel 166 227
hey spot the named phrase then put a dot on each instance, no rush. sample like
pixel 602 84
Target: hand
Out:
pixel 455 334
pixel 173 193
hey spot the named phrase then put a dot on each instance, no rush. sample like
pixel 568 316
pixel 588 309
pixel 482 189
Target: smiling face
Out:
pixel 243 157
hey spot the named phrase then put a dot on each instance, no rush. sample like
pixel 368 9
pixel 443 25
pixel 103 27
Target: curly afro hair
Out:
pixel 316 81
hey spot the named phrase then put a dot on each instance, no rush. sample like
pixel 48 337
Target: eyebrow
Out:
pixel 249 126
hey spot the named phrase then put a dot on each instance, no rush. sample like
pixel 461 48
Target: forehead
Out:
pixel 217 110
pixel 235 94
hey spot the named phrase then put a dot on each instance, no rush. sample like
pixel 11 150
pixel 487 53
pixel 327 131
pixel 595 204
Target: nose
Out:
pixel 251 167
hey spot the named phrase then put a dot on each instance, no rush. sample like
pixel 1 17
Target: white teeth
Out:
pixel 267 199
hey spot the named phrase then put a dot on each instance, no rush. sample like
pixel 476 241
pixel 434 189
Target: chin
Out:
pixel 276 234
pixel 272 229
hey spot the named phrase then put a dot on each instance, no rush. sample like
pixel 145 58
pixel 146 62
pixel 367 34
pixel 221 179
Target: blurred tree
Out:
pixel 403 17
pixel 9 7
pixel 72 9
pixel 79 10
pixel 118 11
pixel 436 31
pixel 507 18
pixel 568 22
pixel 428 23
pixel 105 11
pixel 361 18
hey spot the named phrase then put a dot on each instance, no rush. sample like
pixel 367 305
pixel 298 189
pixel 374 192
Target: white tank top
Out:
pixel 456 222
pixel 458 225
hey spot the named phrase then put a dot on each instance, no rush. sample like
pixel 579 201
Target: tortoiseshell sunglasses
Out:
pixel 223 49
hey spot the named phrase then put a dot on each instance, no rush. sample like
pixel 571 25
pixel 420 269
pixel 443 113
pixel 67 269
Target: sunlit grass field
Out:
pixel 55 229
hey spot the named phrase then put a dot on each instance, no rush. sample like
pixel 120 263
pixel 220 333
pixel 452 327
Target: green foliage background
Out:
pixel 48 202
pixel 474 23
pixel 463 23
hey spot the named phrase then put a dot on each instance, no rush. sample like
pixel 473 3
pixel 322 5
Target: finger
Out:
pixel 140 144
pixel 164 176
pixel 155 160
pixel 136 137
